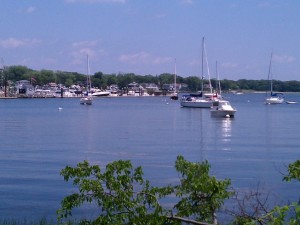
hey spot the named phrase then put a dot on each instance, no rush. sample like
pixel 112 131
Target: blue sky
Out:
pixel 145 36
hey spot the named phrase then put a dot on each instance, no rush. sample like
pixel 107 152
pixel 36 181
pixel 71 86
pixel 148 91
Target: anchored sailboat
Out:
pixel 274 98
pixel 174 96
pixel 87 100
pixel 199 100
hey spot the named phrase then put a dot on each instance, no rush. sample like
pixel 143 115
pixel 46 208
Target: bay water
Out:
pixel 39 137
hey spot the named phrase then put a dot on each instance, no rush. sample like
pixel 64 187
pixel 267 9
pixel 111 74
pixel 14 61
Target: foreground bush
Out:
pixel 123 196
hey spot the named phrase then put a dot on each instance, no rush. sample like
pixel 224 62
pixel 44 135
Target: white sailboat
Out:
pixel 174 96
pixel 274 98
pixel 199 100
pixel 87 99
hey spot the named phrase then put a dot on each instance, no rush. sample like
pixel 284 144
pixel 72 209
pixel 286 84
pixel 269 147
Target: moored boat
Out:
pixel 199 100
pixel 87 100
pixel 195 101
pixel 223 109
pixel 274 98
pixel 174 95
pixel 101 93
pixel 291 102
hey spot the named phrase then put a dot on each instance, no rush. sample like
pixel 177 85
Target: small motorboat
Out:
pixel 223 109
pixel 87 100
pixel 101 93
pixel 291 102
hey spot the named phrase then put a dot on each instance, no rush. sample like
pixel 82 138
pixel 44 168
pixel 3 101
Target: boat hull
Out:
pixel 274 100
pixel 196 103
pixel 291 102
pixel 223 113
pixel 101 94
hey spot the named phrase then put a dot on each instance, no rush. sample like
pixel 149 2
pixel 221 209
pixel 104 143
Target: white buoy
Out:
pixel 59 108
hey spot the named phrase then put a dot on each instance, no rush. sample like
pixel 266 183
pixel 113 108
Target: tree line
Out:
pixel 100 80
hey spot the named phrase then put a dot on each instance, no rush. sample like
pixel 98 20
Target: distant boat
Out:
pixel 274 98
pixel 87 99
pixel 101 93
pixel 199 100
pixel 174 96
pixel 195 101
pixel 291 102
pixel 223 109
pixel 238 93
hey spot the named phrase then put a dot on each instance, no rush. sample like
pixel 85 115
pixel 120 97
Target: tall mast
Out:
pixel 207 67
pixel 204 55
pixel 202 65
pixel 218 85
pixel 88 74
pixel 175 78
pixel 270 78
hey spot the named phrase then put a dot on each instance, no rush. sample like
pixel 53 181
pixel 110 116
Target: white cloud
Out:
pixel 161 60
pixel 96 1
pixel 27 10
pixel 17 43
pixel 84 43
pixel 187 2
pixel 229 65
pixel 161 16
pixel 144 58
pixel 30 9
pixel 283 58
pixel 264 5
pixel 81 49
pixel 135 58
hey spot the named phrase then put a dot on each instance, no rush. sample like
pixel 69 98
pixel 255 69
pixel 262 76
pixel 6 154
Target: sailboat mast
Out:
pixel 270 78
pixel 175 78
pixel 202 65
pixel 204 55
pixel 218 85
pixel 208 73
pixel 88 74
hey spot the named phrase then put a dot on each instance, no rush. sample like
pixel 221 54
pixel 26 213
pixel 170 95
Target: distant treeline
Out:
pixel 192 83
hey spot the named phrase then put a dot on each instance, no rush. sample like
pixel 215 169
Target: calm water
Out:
pixel 38 140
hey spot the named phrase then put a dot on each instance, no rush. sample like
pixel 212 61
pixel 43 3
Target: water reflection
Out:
pixel 226 129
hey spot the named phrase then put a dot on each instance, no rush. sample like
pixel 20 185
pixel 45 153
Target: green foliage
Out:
pixel 194 83
pixel 17 72
pixel 125 197
pixel 201 194
pixel 279 215
pixel 121 193
pixel 294 171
